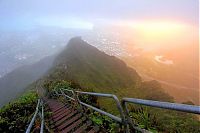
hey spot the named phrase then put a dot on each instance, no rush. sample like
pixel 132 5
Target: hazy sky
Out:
pixel 22 14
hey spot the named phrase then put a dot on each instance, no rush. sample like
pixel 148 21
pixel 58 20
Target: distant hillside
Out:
pixel 14 83
pixel 178 79
pixel 100 72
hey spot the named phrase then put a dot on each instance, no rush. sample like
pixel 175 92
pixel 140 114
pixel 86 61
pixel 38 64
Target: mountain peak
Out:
pixel 77 44
pixel 75 41
pixel 93 68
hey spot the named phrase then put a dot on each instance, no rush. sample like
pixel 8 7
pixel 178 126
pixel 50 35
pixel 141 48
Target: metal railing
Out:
pixel 165 105
pixel 119 107
pixel 68 90
pixel 76 94
pixel 124 118
pixel 37 111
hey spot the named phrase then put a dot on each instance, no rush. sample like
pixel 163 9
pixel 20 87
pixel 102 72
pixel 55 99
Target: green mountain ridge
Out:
pixel 96 71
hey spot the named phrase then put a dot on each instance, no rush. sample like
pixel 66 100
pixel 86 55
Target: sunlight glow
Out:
pixel 158 34
pixel 159 30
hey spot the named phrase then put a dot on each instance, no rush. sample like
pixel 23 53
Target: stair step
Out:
pixel 49 102
pixel 60 109
pixel 94 130
pixel 65 115
pixel 60 113
pixel 61 127
pixel 54 107
pixel 57 123
pixel 83 127
pixel 74 125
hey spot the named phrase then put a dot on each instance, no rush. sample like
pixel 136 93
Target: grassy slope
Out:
pixel 94 69
pixel 98 72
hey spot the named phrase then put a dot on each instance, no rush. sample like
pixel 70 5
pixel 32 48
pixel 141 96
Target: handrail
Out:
pixel 76 94
pixel 122 107
pixel 121 120
pixel 166 105
pixel 103 112
pixel 33 118
pixel 63 93
pixel 37 110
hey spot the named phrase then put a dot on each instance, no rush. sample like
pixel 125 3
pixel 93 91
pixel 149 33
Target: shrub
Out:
pixel 15 116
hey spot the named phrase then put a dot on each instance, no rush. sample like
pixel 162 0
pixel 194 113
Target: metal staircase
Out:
pixel 68 118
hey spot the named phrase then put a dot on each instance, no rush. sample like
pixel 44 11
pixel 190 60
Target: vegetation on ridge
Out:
pixel 15 115
pixel 152 119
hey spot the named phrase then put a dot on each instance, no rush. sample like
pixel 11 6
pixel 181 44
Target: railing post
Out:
pixel 79 103
pixel 130 124
pixel 124 121
pixel 126 114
